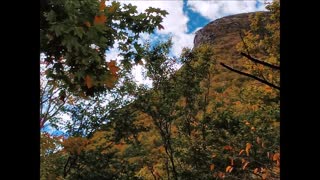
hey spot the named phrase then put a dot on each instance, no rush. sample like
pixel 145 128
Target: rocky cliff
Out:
pixel 225 26
pixel 223 35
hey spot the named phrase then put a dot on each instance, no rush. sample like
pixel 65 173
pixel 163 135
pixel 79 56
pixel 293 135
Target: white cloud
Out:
pixel 218 9
pixel 138 74
pixel 175 23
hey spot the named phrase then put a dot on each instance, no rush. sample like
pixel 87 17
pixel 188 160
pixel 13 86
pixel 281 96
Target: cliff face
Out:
pixel 223 35
pixel 226 26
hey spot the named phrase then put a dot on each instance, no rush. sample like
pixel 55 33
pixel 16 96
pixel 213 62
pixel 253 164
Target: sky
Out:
pixel 184 19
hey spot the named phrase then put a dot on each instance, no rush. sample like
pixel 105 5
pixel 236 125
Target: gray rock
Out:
pixel 221 27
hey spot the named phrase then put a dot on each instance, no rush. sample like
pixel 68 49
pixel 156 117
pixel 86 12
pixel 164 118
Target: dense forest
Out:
pixel 217 117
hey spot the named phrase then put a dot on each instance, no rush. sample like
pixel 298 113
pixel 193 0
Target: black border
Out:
pixel 20 82
pixel 21 85
pixel 299 82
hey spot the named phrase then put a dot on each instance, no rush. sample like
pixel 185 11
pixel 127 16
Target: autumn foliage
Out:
pixel 199 122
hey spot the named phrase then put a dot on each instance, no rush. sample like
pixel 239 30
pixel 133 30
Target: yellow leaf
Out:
pixel 229 169
pixel 211 167
pixel 88 81
pixel 255 171
pixel 241 152
pixel 248 147
pixel 245 165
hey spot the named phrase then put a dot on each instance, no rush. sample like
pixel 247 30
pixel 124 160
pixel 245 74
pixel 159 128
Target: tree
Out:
pixel 159 104
pixel 263 40
pixel 74 36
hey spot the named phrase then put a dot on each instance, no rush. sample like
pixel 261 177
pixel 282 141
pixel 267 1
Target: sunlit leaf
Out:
pixel 241 152
pixel 248 147
pixel 276 157
pixel 229 169
pixel 245 165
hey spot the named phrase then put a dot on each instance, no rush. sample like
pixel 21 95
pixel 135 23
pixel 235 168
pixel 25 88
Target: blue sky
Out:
pixel 196 20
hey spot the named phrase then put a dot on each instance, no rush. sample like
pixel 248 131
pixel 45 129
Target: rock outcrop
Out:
pixel 226 26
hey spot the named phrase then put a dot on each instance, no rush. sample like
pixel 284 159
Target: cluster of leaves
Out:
pixel 74 36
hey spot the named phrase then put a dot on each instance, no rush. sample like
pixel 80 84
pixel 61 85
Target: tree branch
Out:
pixel 251 76
pixel 259 61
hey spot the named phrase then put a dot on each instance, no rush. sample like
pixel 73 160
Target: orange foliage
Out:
pixel 100 19
pixel 248 147
pixel 228 148
pixel 245 165
pixel 229 169
pixel 75 145
pixel 112 67
pixel 88 81
pixel 211 167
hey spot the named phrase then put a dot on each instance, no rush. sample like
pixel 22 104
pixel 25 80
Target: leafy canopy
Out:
pixel 74 36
